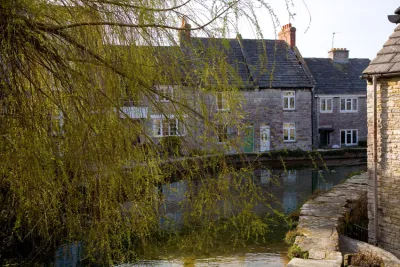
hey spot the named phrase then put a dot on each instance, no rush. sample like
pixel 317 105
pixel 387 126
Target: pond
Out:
pixel 291 187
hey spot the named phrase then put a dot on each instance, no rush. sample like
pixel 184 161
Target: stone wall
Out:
pixel 255 108
pixel 265 107
pixel 323 218
pixel 341 121
pixel 388 165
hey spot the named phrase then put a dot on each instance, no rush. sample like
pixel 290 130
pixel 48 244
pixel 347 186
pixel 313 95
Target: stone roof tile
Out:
pixel 262 63
pixel 383 59
pixel 396 58
pixel 391 41
pixel 338 78
pixel 396 34
pixel 378 68
pixel 391 49
pixel 396 67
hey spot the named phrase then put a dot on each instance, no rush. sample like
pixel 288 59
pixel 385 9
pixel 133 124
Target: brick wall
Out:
pixel 388 144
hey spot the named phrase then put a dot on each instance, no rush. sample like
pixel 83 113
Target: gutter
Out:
pixel 375 147
pixel 375 169
pixel 379 75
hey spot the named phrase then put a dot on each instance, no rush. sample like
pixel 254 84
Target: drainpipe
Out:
pixel 312 118
pixel 375 170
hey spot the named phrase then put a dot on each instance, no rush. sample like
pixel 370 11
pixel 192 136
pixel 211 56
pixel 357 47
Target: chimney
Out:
pixel 288 34
pixel 339 55
pixel 184 33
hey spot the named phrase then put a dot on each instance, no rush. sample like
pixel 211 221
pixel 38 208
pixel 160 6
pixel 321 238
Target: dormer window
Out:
pixel 164 93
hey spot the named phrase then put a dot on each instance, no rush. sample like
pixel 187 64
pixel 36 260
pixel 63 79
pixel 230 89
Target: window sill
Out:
pixel 349 111
pixel 160 136
pixel 326 112
pixel 289 141
pixel 289 109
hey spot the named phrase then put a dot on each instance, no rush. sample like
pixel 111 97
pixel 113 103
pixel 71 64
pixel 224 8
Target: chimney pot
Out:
pixel 185 32
pixel 288 34
pixel 339 55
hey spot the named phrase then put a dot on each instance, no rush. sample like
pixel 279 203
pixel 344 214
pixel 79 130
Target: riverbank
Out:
pixel 323 221
pixel 281 158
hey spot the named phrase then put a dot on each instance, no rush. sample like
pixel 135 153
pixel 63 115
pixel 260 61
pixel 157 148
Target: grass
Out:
pixel 296 252
pixel 290 236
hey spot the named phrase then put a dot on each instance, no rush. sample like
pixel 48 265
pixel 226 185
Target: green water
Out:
pixel 294 187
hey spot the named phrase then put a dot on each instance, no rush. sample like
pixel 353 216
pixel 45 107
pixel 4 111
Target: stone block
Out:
pixel 315 263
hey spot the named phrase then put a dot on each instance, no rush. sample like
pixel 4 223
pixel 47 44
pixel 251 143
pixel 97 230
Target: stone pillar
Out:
pixel 388 164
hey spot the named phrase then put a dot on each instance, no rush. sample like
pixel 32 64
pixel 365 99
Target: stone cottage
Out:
pixel 383 105
pixel 275 88
pixel 272 88
pixel 340 106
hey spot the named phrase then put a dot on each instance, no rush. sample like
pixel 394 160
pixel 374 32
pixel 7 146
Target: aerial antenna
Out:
pixel 333 38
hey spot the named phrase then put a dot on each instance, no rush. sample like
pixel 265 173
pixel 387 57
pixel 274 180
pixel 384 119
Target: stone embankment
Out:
pixel 323 218
pixel 322 221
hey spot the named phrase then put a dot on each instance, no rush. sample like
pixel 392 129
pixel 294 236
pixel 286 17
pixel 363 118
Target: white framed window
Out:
pixel 289 132
pixel 165 93
pixel 289 102
pixel 168 127
pixel 349 104
pixel 349 137
pixel 326 105
pixel 222 101
pixel 224 133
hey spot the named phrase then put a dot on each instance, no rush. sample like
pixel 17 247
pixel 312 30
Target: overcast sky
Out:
pixel 361 25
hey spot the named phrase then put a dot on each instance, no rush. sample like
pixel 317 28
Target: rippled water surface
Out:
pixel 246 259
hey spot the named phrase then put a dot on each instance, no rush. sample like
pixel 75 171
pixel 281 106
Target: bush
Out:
pixel 366 258
pixel 171 145
pixel 196 152
pixel 290 237
pixel 296 252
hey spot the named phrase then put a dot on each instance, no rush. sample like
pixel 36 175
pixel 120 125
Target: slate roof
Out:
pixel 388 58
pixel 260 63
pixel 338 78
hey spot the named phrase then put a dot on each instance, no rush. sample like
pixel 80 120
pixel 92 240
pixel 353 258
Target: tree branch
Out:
pixel 141 7
pixel 150 25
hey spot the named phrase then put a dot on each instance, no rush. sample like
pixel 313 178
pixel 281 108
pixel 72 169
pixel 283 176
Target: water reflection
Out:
pixel 290 188
pixel 247 259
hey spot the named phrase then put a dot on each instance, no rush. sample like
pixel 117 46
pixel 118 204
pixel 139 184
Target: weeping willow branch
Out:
pixel 129 25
